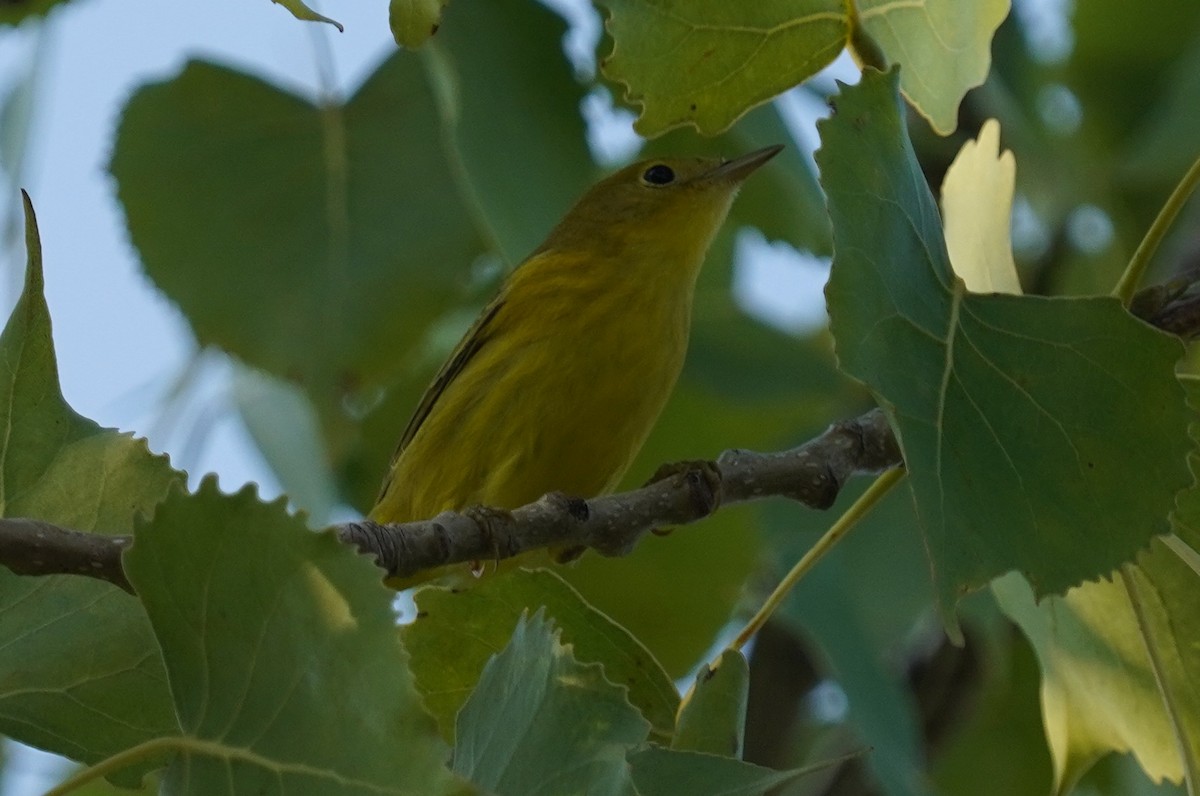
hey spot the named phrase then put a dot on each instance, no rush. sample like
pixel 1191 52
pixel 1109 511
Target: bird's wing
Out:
pixel 472 341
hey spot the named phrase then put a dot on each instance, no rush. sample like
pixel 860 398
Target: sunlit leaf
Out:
pixel 977 196
pixel 1101 690
pixel 706 63
pixel 943 47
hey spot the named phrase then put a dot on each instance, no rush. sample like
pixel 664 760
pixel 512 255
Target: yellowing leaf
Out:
pixel 706 62
pixel 1102 690
pixel 414 21
pixel 977 196
pixel 941 45
pixel 301 11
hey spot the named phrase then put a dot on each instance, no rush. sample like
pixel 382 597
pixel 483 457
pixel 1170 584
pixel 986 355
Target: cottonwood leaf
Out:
pixel 300 11
pixel 280 647
pixel 331 236
pixel 1101 689
pixel 707 62
pixel 977 196
pixel 81 672
pixel 541 722
pixel 665 772
pixel 942 45
pixel 457 630
pixel 713 719
pixel 510 107
pixel 1044 435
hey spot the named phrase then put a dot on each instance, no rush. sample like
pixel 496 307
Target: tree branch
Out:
pixel 812 474
pixel 33 547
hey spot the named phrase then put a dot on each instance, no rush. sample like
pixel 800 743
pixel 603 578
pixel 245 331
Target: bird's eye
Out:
pixel 659 174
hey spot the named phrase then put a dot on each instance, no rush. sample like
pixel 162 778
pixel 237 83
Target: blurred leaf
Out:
pixel 1101 691
pixel 1001 747
pixel 414 21
pixel 80 668
pixel 707 62
pixel 713 719
pixel 301 11
pixel 977 196
pixel 332 235
pixel 991 383
pixel 860 605
pixel 511 108
pixel 667 772
pixel 457 631
pixel 943 47
pixel 14 12
pixel 280 647
pixel 1164 143
pixel 287 432
pixel 1119 52
pixel 541 722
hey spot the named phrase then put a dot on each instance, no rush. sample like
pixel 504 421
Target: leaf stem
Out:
pixel 1158 666
pixel 120 760
pixel 1129 281
pixel 866 501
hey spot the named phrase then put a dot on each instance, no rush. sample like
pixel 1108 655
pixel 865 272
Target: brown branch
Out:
pixel 812 474
pixel 33 547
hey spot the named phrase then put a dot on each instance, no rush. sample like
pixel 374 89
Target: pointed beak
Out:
pixel 739 169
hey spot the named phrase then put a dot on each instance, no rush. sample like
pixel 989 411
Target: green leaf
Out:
pixel 301 11
pixel 942 45
pixel 1102 690
pixel 707 62
pixel 510 104
pixel 282 655
pixel 1009 468
pixel 287 432
pixel 80 668
pixel 666 772
pixel 713 719
pixel 331 236
pixel 457 631
pixel 15 12
pixel 541 722
pixel 860 605
pixel 414 21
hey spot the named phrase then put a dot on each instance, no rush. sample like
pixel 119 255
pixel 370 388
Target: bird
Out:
pixel 560 379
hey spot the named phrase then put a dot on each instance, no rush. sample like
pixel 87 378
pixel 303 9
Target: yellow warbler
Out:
pixel 559 381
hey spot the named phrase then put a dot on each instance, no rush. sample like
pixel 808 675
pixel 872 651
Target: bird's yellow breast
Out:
pixel 574 369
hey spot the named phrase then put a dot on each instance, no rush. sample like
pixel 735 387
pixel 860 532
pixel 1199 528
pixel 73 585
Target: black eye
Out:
pixel 659 175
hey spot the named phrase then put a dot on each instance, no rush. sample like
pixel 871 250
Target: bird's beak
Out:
pixel 739 169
